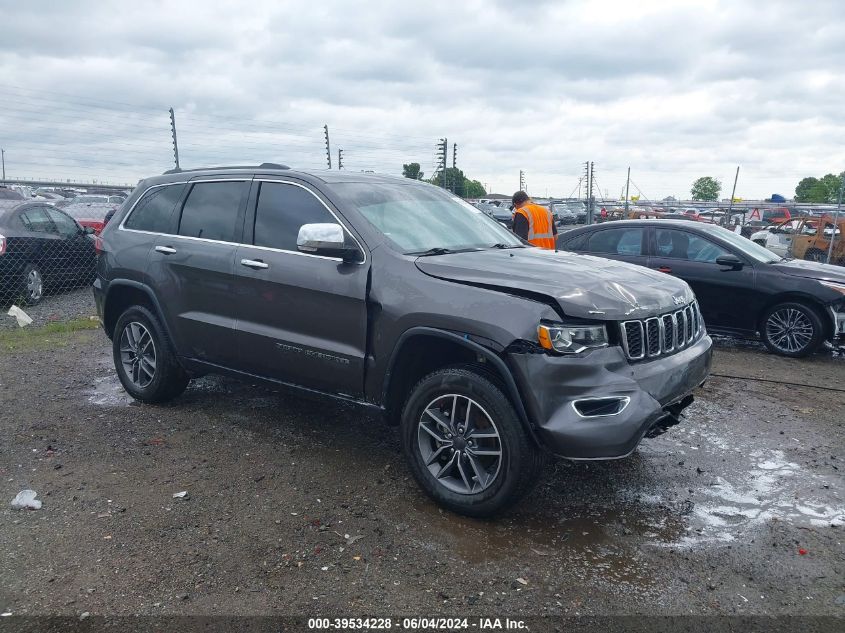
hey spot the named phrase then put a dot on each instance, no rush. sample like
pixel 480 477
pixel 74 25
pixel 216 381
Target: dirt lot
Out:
pixel 299 507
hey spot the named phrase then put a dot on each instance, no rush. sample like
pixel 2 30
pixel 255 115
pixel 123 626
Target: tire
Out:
pixel 792 329
pixel 137 333
pixel 815 255
pixel 32 285
pixel 472 481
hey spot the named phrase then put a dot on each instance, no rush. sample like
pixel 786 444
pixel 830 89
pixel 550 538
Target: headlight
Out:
pixel 571 339
pixel 834 286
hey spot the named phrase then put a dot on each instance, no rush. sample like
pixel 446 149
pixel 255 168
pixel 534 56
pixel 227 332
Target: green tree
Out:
pixel 804 190
pixel 412 170
pixel 819 190
pixel 458 183
pixel 474 189
pixel 706 188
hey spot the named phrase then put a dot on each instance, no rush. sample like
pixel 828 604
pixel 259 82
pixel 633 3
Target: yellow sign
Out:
pixel 635 198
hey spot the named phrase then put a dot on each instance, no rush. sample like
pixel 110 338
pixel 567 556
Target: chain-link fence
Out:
pixel 44 251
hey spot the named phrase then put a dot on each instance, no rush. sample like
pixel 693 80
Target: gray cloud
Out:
pixel 674 89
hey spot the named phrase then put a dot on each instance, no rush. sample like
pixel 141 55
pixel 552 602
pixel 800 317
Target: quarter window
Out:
pixel 282 210
pixel 617 241
pixel 153 211
pixel 211 210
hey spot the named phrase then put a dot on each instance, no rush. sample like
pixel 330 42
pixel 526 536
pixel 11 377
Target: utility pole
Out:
pixel 454 156
pixel 442 153
pixel 627 191
pixel 733 193
pixel 835 219
pixel 522 180
pixel 588 175
pixel 340 158
pixel 173 133
pixel 3 156
pixel 328 147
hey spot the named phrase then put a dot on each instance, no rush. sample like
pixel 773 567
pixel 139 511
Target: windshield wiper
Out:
pixel 437 250
pixel 501 245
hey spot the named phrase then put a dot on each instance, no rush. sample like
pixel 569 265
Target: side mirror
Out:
pixel 731 261
pixel 327 240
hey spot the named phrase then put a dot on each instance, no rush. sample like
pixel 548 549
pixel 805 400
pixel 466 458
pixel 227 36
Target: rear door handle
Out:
pixel 167 250
pixel 256 264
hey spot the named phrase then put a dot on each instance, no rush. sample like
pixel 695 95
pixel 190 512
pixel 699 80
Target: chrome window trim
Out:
pixel 121 227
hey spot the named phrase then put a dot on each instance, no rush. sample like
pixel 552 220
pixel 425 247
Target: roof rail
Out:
pixel 177 170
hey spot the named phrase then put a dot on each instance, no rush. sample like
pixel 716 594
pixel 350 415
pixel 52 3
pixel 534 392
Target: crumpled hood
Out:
pixel 811 270
pixel 584 286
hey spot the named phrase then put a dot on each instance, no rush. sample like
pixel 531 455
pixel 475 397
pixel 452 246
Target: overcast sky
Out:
pixel 675 89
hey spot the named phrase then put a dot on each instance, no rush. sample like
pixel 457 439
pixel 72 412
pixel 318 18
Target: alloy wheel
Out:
pixel 460 444
pixel 138 354
pixel 34 285
pixel 789 330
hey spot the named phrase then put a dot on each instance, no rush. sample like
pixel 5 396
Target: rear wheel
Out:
pixel 792 329
pixel 465 444
pixel 33 285
pixel 144 358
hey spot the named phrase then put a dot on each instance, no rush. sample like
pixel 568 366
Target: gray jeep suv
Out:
pixel 392 294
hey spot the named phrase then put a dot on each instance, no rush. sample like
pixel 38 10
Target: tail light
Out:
pixel 2 244
pixel 98 245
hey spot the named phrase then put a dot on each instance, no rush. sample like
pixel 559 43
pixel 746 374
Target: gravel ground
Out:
pixel 63 306
pixel 297 507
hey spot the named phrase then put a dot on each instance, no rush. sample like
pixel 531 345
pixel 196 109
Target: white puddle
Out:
pixel 108 392
pixel 755 487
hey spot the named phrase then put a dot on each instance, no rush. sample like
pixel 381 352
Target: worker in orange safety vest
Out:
pixel 532 222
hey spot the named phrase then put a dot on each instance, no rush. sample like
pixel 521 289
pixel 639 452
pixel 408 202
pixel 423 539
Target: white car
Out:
pixel 777 237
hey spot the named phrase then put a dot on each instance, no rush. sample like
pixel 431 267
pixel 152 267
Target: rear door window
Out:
pixel 37 221
pixel 617 241
pixel 282 210
pixel 211 210
pixel 154 209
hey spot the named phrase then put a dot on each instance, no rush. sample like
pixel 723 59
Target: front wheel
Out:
pixel 816 255
pixel 465 444
pixel 792 329
pixel 144 358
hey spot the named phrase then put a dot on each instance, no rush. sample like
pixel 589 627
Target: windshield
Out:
pixel 752 249
pixel 418 218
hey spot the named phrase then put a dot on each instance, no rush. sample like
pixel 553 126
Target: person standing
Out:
pixel 532 222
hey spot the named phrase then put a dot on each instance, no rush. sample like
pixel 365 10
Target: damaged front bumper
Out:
pixel 600 405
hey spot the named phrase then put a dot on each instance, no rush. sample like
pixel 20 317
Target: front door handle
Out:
pixel 256 264
pixel 167 250
pixel 664 269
